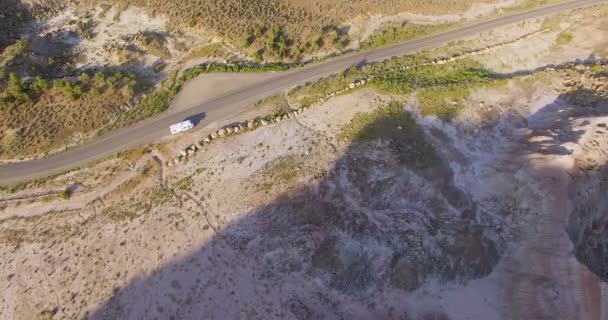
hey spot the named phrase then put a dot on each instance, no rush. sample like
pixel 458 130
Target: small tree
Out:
pixel 15 88
pixel 100 78
pixel 66 194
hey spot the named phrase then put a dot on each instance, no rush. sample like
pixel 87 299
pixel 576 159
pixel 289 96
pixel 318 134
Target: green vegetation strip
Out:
pixel 402 32
pixel 399 78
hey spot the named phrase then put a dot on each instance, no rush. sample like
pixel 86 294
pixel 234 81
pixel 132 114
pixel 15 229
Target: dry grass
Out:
pixel 279 174
pixel 51 120
pixel 306 26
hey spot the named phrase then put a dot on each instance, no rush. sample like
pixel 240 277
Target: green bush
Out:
pixel 71 91
pixel 84 78
pixel 597 68
pixel 100 78
pixel 39 85
pixel 15 90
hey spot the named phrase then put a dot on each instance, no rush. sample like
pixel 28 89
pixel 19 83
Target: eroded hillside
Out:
pixel 356 208
pixel 418 188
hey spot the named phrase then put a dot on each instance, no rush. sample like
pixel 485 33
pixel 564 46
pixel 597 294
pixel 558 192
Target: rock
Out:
pixel 176 160
pixel 278 119
pixel 305 109
pixel 236 129
pixel 206 140
pixel 191 152
pixel 249 124
pixel 352 86
pixel 363 82
pixel 264 122
pixel 229 130
pixel 183 153
pixel 221 132
pixel 193 147
pixel 300 110
pixel 213 136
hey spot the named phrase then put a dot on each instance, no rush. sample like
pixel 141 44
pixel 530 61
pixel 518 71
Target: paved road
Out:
pixel 235 102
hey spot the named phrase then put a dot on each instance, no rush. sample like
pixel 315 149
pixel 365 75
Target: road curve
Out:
pixel 234 102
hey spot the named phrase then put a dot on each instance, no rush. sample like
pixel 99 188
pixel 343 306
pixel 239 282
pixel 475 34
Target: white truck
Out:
pixel 181 127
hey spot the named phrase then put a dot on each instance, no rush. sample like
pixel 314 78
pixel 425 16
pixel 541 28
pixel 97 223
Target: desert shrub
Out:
pixel 71 91
pixel 597 68
pixel 84 78
pixel 154 43
pixel 564 38
pixel 66 193
pixel 100 78
pixel 184 184
pixel 113 80
pixel 15 90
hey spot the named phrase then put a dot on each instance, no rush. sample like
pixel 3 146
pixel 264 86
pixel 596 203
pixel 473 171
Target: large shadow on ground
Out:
pixel 384 220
